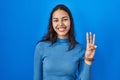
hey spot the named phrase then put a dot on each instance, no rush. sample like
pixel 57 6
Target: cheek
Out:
pixel 54 26
pixel 68 25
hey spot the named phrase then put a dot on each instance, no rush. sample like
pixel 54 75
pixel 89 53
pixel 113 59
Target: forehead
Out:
pixel 60 13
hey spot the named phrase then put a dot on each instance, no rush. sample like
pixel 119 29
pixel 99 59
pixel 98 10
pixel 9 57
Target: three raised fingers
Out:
pixel 90 38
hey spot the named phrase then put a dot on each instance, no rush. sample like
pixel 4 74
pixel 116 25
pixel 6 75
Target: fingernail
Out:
pixel 96 46
pixel 87 33
pixel 90 32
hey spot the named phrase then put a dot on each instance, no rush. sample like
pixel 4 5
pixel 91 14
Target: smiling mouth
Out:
pixel 61 29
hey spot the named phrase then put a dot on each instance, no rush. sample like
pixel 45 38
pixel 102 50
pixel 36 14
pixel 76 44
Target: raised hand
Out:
pixel 90 48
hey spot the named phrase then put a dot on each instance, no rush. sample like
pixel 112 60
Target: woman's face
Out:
pixel 61 23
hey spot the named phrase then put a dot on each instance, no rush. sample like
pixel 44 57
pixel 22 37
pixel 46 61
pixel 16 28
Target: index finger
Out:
pixel 87 38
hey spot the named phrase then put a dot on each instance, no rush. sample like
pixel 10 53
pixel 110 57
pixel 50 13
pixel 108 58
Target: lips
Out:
pixel 61 29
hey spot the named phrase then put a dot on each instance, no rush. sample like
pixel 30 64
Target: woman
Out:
pixel 58 56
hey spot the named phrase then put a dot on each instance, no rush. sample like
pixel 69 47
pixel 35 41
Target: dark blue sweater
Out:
pixel 56 63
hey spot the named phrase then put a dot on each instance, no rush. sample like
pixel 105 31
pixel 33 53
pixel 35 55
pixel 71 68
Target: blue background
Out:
pixel 24 22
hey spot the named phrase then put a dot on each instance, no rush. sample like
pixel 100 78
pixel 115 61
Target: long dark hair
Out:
pixel 52 35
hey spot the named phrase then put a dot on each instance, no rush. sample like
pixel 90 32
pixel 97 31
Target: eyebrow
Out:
pixel 62 17
pixel 65 17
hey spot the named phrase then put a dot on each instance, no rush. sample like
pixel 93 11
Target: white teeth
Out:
pixel 61 29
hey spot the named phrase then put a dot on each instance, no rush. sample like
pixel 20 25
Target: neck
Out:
pixel 62 40
pixel 62 37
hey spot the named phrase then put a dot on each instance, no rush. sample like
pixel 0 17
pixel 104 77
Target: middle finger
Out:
pixel 91 41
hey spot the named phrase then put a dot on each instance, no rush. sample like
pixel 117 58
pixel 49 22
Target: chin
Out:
pixel 62 35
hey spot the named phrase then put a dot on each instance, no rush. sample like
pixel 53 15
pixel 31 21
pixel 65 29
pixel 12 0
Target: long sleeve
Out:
pixel 84 69
pixel 38 62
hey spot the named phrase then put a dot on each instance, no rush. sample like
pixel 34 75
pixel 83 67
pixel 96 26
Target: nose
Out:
pixel 60 22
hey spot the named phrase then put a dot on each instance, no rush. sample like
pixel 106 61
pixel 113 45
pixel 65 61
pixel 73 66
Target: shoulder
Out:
pixel 80 46
pixel 43 43
pixel 81 49
pixel 39 49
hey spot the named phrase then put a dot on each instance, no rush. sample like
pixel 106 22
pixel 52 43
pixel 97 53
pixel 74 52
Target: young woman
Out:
pixel 58 56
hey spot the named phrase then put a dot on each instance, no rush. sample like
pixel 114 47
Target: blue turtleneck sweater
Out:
pixel 56 63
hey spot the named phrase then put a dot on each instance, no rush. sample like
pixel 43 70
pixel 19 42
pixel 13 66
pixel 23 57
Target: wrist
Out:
pixel 89 60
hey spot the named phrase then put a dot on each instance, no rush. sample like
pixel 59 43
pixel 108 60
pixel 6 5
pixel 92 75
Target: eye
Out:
pixel 55 20
pixel 65 19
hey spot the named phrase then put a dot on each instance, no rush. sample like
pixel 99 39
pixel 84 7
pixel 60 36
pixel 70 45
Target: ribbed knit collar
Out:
pixel 62 40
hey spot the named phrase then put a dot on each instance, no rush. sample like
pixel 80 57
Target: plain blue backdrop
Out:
pixel 24 22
